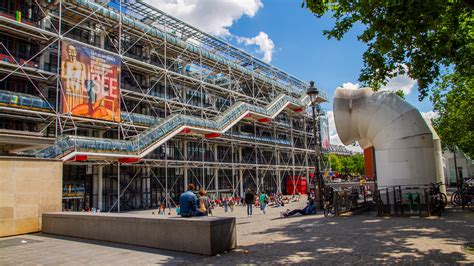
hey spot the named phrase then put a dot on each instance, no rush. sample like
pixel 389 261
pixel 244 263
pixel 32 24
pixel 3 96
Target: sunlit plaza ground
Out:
pixel 267 238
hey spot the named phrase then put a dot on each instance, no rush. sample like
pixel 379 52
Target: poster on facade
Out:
pixel 324 127
pixel 90 82
pixel 73 190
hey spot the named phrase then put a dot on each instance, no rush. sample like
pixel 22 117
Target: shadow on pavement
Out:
pixel 167 255
pixel 365 239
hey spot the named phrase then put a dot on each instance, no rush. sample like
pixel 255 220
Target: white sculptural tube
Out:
pixel 438 156
pixel 403 142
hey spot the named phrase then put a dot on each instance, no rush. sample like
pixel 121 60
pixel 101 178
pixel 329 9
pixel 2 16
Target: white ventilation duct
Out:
pixel 438 157
pixel 403 142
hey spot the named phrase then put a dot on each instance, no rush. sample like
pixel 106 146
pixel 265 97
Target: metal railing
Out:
pixel 409 200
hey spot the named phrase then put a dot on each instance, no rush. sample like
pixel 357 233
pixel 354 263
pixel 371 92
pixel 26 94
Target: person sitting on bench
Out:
pixel 188 202
pixel 309 209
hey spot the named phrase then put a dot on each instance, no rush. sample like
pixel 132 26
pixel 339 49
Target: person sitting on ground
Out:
pixel 188 203
pixel 309 209
pixel 204 203
pixel 278 203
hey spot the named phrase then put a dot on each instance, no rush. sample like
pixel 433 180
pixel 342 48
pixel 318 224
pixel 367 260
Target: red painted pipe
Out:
pixel 212 135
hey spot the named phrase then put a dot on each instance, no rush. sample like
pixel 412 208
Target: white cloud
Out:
pixel 264 43
pixel 332 130
pixel 212 16
pixel 216 17
pixel 429 115
pixel 349 85
pixel 335 140
pixel 400 82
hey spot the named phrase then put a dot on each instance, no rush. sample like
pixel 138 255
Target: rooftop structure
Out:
pixel 339 150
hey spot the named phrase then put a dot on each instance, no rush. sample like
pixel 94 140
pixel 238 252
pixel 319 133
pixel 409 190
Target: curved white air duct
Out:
pixel 403 142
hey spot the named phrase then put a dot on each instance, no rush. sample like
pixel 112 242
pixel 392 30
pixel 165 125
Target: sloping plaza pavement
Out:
pixel 267 238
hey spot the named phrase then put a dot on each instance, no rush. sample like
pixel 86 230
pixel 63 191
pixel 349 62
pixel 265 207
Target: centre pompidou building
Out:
pixel 136 104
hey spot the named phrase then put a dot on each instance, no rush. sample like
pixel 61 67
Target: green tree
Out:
pixel 336 164
pixel 400 94
pixel 353 164
pixel 431 41
pixel 358 164
pixel 345 165
pixel 454 101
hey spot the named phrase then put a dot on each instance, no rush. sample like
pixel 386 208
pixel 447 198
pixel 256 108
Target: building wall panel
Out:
pixel 27 189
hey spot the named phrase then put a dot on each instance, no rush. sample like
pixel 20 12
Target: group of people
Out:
pixel 191 205
pixel 262 201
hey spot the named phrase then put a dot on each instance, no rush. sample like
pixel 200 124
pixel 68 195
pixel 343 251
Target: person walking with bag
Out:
pixel 263 202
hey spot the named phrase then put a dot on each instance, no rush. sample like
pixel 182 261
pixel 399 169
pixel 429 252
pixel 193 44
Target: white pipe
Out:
pixel 402 140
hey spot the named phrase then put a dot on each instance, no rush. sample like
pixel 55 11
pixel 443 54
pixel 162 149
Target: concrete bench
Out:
pixel 201 235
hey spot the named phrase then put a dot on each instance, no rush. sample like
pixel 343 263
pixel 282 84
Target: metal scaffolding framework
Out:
pixel 241 122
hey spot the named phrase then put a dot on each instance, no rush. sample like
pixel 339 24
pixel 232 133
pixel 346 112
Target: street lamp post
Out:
pixel 313 93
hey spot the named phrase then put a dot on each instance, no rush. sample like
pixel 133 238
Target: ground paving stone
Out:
pixel 363 239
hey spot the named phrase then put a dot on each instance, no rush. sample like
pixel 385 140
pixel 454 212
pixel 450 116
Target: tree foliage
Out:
pixel 431 41
pixel 454 101
pixel 400 94
pixel 425 36
pixel 336 164
pixel 353 164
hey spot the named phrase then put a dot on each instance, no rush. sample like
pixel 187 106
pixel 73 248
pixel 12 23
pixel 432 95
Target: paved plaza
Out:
pixel 268 238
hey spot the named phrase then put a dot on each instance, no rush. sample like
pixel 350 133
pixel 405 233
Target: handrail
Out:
pixel 24 100
pixel 140 145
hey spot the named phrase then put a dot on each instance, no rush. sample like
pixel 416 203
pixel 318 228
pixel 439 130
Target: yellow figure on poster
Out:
pixel 74 77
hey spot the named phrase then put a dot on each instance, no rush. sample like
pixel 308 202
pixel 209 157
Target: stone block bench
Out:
pixel 201 235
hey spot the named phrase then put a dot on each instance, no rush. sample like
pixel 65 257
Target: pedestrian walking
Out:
pixel 231 204
pixel 263 202
pixel 225 202
pixel 249 198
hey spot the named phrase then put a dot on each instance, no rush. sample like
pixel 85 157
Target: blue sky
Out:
pixel 303 51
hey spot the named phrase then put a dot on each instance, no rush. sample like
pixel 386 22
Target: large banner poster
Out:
pixel 324 129
pixel 90 82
